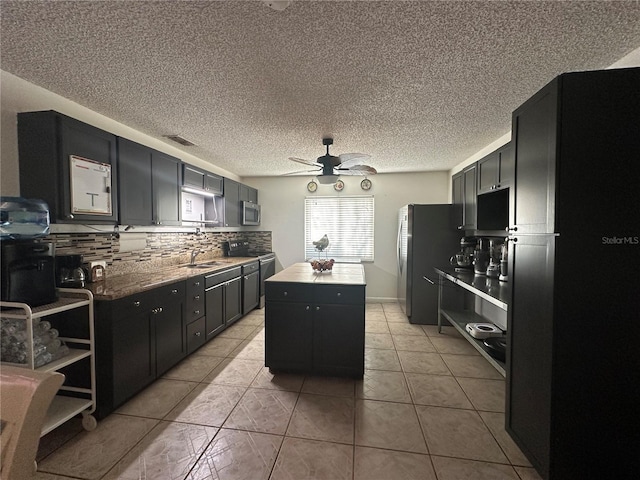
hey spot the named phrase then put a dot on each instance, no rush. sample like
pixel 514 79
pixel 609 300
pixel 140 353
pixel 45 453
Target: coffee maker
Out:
pixel 495 252
pixel 480 258
pixel 463 260
pixel 69 271
pixel 504 253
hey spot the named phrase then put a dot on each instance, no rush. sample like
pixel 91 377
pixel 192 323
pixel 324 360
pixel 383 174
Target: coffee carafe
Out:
pixel 69 271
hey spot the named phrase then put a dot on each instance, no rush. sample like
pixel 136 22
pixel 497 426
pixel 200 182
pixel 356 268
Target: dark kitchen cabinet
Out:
pixel 569 386
pixel 315 328
pixel 46 141
pixel 464 198
pixel 232 210
pixel 338 330
pixel 495 171
pixel 250 286
pixel 223 299
pixel 201 180
pixel 194 313
pixel 170 327
pixel 248 194
pixel 534 135
pixel 138 338
pixel 149 185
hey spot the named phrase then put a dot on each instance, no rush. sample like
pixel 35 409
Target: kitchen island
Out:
pixel 314 321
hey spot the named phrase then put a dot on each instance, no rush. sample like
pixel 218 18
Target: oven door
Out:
pixel 250 213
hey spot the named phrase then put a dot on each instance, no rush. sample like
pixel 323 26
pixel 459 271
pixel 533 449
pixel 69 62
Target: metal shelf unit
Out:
pixel 63 407
pixel 458 314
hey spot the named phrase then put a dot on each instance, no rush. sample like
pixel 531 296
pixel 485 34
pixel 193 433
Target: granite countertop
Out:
pixel 341 274
pixel 122 285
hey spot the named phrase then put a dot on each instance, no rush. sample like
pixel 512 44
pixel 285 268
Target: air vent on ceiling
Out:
pixel 180 140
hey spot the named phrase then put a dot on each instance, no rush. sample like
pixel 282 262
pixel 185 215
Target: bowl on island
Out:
pixel 322 265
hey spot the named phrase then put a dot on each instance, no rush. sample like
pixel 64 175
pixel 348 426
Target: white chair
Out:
pixel 25 396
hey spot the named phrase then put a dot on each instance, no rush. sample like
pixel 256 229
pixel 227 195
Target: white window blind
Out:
pixel 348 223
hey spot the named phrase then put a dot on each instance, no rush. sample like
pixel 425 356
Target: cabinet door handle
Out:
pixel 285 294
pixel 196 284
pixel 197 297
pixel 317 308
pixel 197 312
pixel 197 334
pixel 136 304
pixel 157 310
pixel 174 291
pixel 308 308
pixel 339 294
pixel 511 229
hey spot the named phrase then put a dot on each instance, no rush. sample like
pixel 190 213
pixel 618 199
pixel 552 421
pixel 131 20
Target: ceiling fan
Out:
pixel 332 167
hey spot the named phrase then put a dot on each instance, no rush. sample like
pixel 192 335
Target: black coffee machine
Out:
pixel 28 273
pixel 27 266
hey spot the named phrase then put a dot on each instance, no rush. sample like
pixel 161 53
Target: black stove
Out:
pixel 242 248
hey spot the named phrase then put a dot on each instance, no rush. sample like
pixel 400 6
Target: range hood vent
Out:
pixel 178 139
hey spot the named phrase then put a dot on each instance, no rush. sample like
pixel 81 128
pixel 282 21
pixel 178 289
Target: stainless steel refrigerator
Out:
pixel 426 239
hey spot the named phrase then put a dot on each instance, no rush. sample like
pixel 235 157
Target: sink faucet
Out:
pixel 194 254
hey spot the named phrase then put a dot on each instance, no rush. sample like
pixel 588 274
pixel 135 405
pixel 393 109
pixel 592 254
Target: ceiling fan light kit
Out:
pixel 332 167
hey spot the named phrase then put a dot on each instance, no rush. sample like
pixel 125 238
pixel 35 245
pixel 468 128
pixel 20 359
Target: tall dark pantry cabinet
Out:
pixel 573 358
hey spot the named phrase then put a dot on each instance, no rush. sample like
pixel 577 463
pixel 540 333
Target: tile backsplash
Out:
pixel 139 252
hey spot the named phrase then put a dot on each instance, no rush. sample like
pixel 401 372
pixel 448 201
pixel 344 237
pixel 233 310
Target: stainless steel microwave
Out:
pixel 250 213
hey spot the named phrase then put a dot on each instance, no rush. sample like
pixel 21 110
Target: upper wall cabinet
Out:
pixel 495 171
pixel 70 165
pixel 248 194
pixel 202 180
pixel 150 183
pixel 232 211
pixel 464 198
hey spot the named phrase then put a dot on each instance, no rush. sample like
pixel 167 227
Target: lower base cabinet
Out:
pixel 315 328
pixel 138 338
pixel 223 299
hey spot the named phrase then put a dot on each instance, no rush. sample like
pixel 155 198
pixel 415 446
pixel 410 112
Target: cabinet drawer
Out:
pixel 288 292
pixel 250 268
pixel 196 334
pixel 194 302
pixel 141 302
pixel 340 294
pixel 169 292
pixel 221 277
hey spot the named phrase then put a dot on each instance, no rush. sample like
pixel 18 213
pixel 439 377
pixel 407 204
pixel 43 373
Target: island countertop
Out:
pixel 341 274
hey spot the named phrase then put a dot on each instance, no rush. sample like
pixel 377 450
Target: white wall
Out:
pixel 282 200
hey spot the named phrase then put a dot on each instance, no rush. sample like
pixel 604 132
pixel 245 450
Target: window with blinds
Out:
pixel 346 221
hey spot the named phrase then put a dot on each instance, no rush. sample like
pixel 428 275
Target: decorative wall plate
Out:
pixel 339 185
pixel 365 184
pixel 312 186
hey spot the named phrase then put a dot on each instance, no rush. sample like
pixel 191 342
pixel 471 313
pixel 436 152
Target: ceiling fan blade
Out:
pixel 349 159
pixel 357 170
pixel 302 171
pixel 304 162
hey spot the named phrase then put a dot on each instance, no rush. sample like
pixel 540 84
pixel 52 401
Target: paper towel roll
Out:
pixel 130 242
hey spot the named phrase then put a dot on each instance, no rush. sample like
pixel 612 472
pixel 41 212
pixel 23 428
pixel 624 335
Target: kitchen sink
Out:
pixel 203 265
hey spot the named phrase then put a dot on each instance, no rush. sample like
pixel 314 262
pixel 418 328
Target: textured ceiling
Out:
pixel 417 85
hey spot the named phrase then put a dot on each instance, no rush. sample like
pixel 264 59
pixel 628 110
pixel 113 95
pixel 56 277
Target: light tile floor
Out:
pixel 429 407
